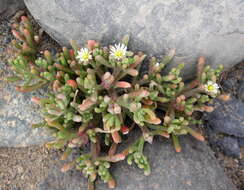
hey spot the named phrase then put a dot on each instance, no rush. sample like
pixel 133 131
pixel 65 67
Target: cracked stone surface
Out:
pixel 213 28
pixel 195 168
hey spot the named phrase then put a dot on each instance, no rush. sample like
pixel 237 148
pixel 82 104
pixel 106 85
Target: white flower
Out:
pixel 84 55
pixel 211 87
pixel 118 51
pixel 157 64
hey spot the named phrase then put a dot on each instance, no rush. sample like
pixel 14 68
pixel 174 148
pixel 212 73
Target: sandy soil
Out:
pixel 23 168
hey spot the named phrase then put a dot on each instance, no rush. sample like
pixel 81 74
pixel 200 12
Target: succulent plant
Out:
pixel 96 97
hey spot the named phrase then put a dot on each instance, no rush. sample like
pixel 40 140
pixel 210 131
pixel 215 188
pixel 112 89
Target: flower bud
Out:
pixel 72 83
pixel 106 99
pixel 91 44
pixel 145 77
pixel 24 19
pixel 107 80
pixel 77 118
pixel 37 39
pixel 124 129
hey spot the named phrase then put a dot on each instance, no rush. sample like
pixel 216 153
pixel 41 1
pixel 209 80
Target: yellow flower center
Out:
pixel 118 53
pixel 85 56
pixel 210 87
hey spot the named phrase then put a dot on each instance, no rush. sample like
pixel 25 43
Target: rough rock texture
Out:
pixel 233 81
pixel 213 28
pixel 17 113
pixel 240 92
pixel 228 117
pixel 9 7
pixel 226 126
pixel 194 169
pixel 241 142
pixel 230 146
pixel 226 123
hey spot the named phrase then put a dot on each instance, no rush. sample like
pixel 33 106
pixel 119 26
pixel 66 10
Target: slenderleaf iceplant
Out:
pixel 97 97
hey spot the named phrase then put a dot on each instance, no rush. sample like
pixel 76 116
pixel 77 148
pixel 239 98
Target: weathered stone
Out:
pixel 212 28
pixel 233 81
pixel 230 146
pixel 17 113
pixel 240 92
pixel 241 142
pixel 9 7
pixel 195 168
pixel 230 85
pixel 228 117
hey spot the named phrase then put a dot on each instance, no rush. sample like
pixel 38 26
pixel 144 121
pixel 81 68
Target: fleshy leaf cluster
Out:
pixel 97 97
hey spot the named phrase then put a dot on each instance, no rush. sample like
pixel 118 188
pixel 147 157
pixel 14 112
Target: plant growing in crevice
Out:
pixel 96 97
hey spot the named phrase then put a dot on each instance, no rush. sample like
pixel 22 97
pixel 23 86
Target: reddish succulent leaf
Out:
pixel 122 84
pixel 155 121
pixel 36 100
pixel 139 93
pixel 116 137
pixel 132 72
pixel 72 83
pixel 86 104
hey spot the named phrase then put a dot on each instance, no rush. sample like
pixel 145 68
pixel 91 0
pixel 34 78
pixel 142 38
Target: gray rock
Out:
pixel 233 81
pixel 9 7
pixel 228 117
pixel 240 92
pixel 241 142
pixel 230 146
pixel 212 28
pixel 17 113
pixel 230 85
pixel 195 168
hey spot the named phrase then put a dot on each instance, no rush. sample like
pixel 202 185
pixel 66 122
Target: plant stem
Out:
pixel 141 144
pixel 176 143
pixel 112 149
pixel 195 134
pixel 90 185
